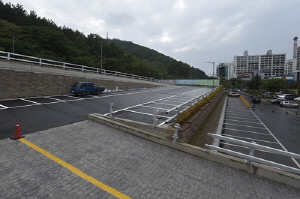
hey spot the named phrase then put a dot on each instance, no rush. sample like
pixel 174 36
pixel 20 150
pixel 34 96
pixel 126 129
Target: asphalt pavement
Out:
pixel 41 113
pixel 265 124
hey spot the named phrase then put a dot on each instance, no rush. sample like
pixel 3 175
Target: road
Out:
pixel 37 114
pixel 265 124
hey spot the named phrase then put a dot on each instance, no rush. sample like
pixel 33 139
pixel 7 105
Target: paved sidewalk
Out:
pixel 131 165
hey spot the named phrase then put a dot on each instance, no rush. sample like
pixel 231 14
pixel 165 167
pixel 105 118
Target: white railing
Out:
pixel 182 107
pixel 253 146
pixel 64 65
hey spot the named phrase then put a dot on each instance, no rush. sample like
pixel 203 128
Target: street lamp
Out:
pixel 101 59
pixel 213 72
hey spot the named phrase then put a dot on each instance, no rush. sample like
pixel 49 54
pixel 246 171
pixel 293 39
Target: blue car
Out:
pixel 84 88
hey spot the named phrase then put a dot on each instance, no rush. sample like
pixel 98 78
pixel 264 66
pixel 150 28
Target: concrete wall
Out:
pixel 198 123
pixel 16 84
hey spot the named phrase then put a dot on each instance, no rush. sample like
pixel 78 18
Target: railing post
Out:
pixel 191 103
pixel 40 62
pixel 110 109
pixel 175 135
pixel 8 56
pixel 178 110
pixel 82 68
pixel 251 154
pixel 154 118
pixel 64 65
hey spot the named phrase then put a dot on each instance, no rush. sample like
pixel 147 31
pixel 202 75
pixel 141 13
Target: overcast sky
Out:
pixel 194 31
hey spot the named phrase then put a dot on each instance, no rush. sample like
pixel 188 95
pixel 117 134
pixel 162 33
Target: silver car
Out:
pixel 288 104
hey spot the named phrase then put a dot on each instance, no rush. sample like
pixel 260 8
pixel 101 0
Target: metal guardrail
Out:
pixel 190 102
pixel 64 65
pixel 253 146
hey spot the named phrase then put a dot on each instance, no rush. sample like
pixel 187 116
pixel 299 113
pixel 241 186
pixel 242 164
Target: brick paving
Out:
pixel 136 167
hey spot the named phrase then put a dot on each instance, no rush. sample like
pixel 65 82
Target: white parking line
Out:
pixel 244 126
pixel 166 104
pixel 252 139
pixel 3 107
pixel 240 115
pixel 298 165
pixel 239 118
pixel 29 101
pixel 145 113
pixel 155 107
pixel 242 121
pixel 253 132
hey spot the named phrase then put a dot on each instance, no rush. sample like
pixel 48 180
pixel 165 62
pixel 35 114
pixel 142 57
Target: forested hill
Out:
pixel 41 37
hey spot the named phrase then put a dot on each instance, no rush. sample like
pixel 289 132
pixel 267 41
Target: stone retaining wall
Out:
pixel 189 129
pixel 16 84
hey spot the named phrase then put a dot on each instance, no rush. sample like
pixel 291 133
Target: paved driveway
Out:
pixel 84 159
pixel 242 123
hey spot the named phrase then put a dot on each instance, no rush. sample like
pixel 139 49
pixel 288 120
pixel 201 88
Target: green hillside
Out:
pixel 41 37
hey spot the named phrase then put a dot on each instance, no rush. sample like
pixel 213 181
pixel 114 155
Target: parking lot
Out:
pixel 258 124
pixel 41 113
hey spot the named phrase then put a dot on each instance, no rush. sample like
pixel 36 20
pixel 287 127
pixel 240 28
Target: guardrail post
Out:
pixel 175 135
pixel 117 88
pixel 40 62
pixel 191 103
pixel 64 65
pixel 178 110
pixel 110 109
pixel 251 154
pixel 82 68
pixel 8 56
pixel 154 118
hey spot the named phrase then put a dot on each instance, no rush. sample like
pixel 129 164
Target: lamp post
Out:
pixel 101 59
pixel 213 72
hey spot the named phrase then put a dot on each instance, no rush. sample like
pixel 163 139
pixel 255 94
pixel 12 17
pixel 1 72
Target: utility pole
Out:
pixel 101 59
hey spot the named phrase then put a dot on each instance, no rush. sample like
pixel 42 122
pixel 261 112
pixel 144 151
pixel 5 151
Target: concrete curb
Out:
pixel 233 162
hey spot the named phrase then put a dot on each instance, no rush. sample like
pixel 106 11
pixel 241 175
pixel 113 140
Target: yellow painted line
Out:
pixel 76 171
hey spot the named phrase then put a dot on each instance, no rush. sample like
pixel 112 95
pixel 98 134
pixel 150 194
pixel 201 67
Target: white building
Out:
pixel 269 64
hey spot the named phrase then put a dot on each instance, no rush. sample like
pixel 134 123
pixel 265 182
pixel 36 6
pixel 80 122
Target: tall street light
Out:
pixel 213 72
pixel 101 59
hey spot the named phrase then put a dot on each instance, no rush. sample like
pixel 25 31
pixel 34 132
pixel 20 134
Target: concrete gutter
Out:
pixel 164 139
pixel 220 125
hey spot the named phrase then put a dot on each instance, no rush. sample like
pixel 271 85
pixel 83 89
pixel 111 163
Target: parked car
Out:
pixel 277 100
pixel 84 88
pixel 255 99
pixel 287 96
pixel 233 94
pixel 297 99
pixel 288 104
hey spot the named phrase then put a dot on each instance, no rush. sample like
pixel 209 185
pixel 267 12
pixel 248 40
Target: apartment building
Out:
pixel 268 64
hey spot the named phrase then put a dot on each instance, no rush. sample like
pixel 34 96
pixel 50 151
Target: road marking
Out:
pixel 252 139
pixel 90 179
pixel 241 121
pixel 240 118
pixel 243 115
pixel 4 107
pixel 29 101
pixel 146 113
pixel 247 131
pixel 155 107
pixel 244 126
pixel 298 165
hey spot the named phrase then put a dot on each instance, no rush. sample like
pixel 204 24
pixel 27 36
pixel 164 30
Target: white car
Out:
pixel 297 99
pixel 288 104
